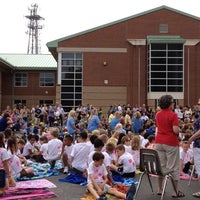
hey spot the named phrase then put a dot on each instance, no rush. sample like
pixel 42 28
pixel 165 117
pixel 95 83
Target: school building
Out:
pixel 134 60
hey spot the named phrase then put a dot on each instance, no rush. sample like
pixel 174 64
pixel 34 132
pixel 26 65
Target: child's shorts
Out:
pixel 106 188
pixel 2 178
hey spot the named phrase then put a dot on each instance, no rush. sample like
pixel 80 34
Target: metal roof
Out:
pixel 29 61
pixel 165 39
pixel 54 43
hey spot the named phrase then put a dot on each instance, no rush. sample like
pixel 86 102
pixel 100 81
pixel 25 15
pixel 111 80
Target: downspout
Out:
pixel 139 76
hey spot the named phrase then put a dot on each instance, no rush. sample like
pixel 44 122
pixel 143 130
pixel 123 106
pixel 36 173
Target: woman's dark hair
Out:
pixel 2 145
pixel 12 141
pixel 165 101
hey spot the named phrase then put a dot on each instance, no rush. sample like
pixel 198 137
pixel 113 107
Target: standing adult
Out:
pixel 71 123
pixel 196 148
pixel 167 141
pixel 93 121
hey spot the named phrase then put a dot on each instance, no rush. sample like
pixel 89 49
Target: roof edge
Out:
pixel 54 43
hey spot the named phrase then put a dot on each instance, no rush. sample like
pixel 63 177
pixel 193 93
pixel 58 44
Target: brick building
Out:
pixel 27 79
pixel 133 60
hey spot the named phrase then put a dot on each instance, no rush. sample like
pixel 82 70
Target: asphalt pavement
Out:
pixel 68 191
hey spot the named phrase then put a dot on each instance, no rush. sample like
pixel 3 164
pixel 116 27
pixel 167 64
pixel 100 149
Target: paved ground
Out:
pixel 67 191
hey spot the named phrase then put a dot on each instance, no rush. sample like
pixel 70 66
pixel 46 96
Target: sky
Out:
pixel 66 17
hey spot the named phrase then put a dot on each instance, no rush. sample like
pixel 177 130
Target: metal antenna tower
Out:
pixel 33 30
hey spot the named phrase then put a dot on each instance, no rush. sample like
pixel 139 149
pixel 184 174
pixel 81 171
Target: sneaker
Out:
pixel 65 171
pixel 131 192
pixel 102 198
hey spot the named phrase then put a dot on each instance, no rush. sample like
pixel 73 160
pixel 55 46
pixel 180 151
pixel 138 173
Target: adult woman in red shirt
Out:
pixel 167 141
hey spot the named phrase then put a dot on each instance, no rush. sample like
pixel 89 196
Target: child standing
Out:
pixel 97 178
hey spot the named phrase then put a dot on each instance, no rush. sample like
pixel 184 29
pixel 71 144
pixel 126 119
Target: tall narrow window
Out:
pixel 71 80
pixel 165 67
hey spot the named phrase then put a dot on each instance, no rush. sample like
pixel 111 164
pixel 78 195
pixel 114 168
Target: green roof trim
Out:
pixel 29 61
pixel 54 43
pixel 165 39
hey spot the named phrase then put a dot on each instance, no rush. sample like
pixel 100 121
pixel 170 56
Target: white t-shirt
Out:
pixel 80 152
pixel 106 160
pixel 54 149
pixel 28 146
pixel 68 150
pixel 15 164
pixel 186 156
pixel 127 148
pixel 128 163
pixel 136 156
pixel 3 156
pixel 98 172
pixel 44 150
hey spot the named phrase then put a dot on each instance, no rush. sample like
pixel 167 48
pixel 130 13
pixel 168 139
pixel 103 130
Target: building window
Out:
pixel 71 80
pixel 165 68
pixel 47 79
pixel 47 102
pixel 19 101
pixel 21 79
pixel 163 28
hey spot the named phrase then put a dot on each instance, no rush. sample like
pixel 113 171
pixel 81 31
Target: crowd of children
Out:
pixel 112 148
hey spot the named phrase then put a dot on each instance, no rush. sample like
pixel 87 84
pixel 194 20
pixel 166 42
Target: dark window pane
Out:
pixel 78 82
pixel 79 56
pixel 175 89
pixel 67 75
pixel 175 68
pixel 67 89
pixel 158 46
pixel 67 69
pixel 175 74
pixel 158 75
pixel 77 102
pixel 78 62
pixel 158 60
pixel 175 60
pixel 78 89
pixel 67 96
pixel 67 103
pixel 158 53
pixel 78 69
pixel 78 96
pixel 175 54
pixel 67 62
pixel 67 82
pixel 158 82
pixel 158 67
pixel 175 82
pixel 158 89
pixel 68 55
pixel 175 46
pixel 78 76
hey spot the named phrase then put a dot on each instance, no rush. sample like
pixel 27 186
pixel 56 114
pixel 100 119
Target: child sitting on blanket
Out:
pixel 125 163
pixel 66 152
pixel 5 174
pixel 186 157
pixel 97 178
pixel 54 147
pixel 17 169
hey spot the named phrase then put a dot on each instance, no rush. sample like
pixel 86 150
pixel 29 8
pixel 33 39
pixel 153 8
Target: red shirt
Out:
pixel 165 120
